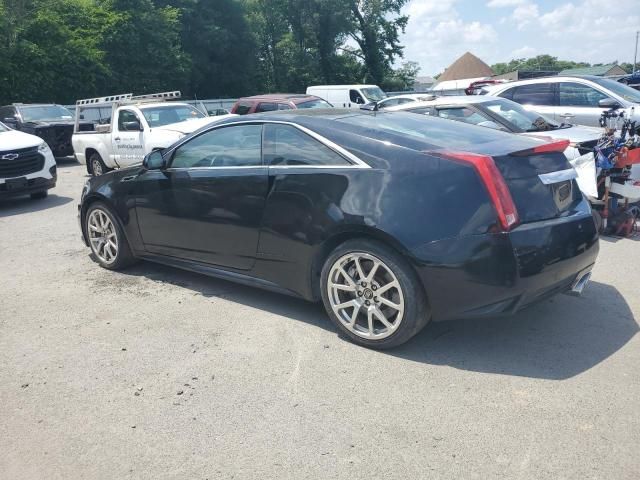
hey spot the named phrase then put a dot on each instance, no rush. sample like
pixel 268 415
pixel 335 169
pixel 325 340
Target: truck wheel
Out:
pixel 96 165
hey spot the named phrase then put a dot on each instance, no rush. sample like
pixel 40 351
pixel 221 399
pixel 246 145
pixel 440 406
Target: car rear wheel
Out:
pixel 373 295
pixel 96 165
pixel 106 238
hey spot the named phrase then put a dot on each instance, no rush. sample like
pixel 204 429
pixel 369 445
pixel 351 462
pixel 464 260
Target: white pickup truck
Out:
pixel 117 131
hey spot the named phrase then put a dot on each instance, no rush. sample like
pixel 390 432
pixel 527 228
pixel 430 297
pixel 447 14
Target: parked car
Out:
pixel 277 101
pixel 53 123
pixel 580 100
pixel 500 113
pixel 348 96
pixel 142 124
pixel 391 218
pixel 27 165
pixel 402 100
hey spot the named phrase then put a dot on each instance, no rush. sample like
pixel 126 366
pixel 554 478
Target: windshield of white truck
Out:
pixel 167 114
pixel 374 94
pixel 44 112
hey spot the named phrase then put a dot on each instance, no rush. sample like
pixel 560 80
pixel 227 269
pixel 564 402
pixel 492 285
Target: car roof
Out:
pixel 142 106
pixel 528 81
pixel 446 100
pixel 274 97
pixel 34 105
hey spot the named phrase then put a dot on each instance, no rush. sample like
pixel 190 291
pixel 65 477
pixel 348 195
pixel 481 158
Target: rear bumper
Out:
pixel 496 274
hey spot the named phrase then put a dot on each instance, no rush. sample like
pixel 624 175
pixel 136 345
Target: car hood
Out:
pixel 190 126
pixel 13 140
pixel 575 133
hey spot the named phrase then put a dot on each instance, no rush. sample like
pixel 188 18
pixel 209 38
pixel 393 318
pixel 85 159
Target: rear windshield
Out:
pixel 437 132
pixel 316 103
pixel 45 112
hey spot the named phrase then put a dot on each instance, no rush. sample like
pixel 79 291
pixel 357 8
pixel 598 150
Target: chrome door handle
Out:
pixel 568 115
pixel 117 139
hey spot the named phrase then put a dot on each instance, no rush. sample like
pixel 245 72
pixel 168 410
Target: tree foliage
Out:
pixel 61 50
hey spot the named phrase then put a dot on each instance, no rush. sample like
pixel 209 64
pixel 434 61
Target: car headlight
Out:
pixel 44 148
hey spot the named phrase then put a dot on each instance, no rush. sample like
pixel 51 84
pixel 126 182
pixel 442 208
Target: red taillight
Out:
pixel 494 183
pixel 553 146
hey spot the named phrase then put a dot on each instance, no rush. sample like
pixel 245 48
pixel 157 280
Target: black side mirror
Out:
pixel 154 161
pixel 133 126
pixel 609 103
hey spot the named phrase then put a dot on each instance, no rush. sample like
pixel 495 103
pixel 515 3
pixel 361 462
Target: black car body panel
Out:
pixel 273 227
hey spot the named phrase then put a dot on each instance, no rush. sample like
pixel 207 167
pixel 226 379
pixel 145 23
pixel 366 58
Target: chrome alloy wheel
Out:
pixel 365 295
pixel 102 236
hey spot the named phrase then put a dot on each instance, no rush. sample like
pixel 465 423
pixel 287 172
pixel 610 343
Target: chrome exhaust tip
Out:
pixel 579 284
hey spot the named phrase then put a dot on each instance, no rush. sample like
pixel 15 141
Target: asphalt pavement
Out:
pixel 157 373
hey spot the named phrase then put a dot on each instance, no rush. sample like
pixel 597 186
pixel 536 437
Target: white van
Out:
pixel 347 96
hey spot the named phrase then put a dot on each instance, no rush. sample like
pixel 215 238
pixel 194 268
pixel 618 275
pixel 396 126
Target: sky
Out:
pixel 594 31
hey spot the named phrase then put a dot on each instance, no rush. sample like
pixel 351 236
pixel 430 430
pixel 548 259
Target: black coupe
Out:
pixel 392 219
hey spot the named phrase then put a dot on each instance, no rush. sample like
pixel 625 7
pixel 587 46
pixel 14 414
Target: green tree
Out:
pixel 376 26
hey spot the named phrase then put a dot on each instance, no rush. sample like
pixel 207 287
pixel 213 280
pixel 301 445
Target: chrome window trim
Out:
pixel 355 161
pixel 559 176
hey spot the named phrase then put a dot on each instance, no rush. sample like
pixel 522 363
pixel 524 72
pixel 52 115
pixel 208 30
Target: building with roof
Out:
pixel 611 70
pixel 461 73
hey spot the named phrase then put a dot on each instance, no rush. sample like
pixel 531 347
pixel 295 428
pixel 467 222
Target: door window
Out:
pixel 7 112
pixel 534 94
pixel 578 95
pixel 462 114
pixel 355 97
pixel 286 145
pixel 266 107
pixel 243 108
pixel 126 116
pixel 234 146
pixel 392 102
pixel 284 106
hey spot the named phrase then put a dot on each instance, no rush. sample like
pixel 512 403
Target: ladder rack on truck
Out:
pixel 115 101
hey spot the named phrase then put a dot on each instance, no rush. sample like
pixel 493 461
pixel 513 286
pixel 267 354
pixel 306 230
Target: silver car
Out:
pixel 503 114
pixel 579 100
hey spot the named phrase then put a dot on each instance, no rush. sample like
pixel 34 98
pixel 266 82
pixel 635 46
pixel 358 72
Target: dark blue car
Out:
pixel 391 219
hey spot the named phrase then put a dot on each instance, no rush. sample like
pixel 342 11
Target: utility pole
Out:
pixel 635 55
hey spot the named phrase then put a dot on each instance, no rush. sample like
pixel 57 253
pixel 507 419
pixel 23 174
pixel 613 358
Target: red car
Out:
pixel 277 101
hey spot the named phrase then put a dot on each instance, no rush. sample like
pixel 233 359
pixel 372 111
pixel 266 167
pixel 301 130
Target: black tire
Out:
pixel 96 166
pixel 416 308
pixel 39 195
pixel 123 257
pixel 597 219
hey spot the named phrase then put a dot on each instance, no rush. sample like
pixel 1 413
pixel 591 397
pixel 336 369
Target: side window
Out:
pixel 284 106
pixel 423 110
pixel 243 108
pixel 507 94
pixel 389 103
pixel 355 97
pixel 534 94
pixel 266 107
pixel 233 146
pixel 286 145
pixel 6 112
pixel 578 95
pixel 125 116
pixel 402 101
pixel 462 114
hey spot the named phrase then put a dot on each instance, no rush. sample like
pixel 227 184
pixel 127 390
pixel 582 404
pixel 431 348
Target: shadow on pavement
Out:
pixel 556 339
pixel 24 204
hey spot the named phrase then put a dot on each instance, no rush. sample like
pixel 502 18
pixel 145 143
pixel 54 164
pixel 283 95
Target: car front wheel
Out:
pixel 373 295
pixel 97 166
pixel 106 238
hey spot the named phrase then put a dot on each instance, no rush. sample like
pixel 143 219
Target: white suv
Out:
pixel 579 100
pixel 27 165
